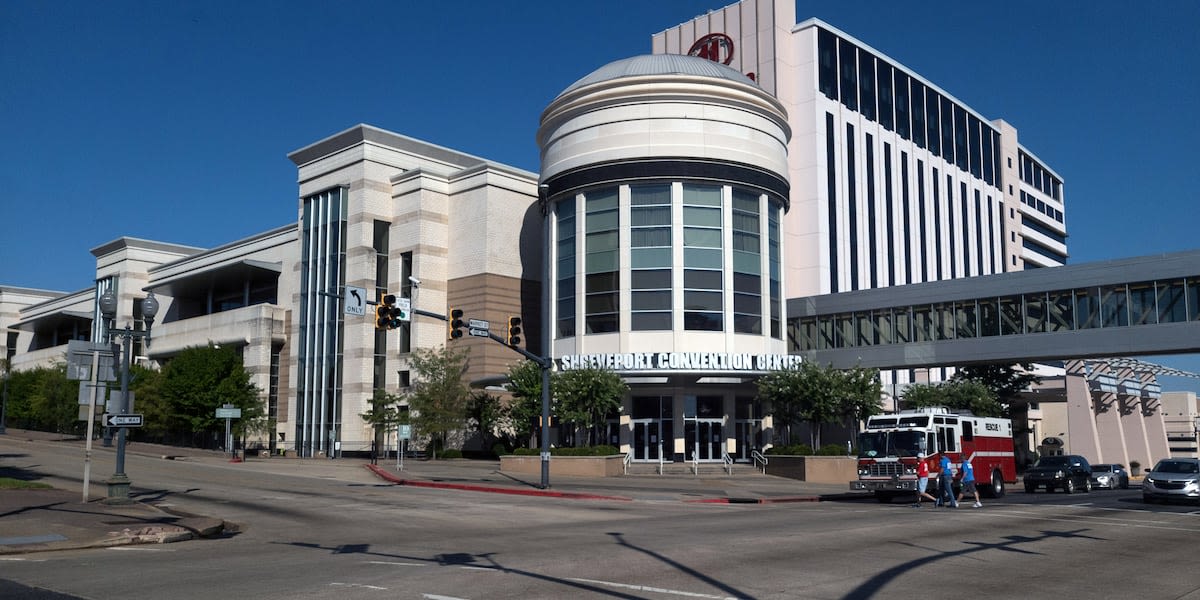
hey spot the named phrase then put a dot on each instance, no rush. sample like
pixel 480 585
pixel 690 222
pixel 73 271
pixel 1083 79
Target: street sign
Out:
pixel 404 431
pixel 79 361
pixel 479 324
pixel 123 420
pixel 229 413
pixel 477 332
pixel 355 301
pixel 404 305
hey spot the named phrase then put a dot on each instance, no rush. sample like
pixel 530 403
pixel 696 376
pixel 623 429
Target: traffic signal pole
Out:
pixel 546 364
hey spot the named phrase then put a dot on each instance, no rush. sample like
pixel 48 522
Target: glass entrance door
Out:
pixel 647 439
pixel 748 437
pixel 703 438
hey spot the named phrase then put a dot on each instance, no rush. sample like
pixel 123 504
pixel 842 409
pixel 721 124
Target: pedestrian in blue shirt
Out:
pixel 968 483
pixel 946 484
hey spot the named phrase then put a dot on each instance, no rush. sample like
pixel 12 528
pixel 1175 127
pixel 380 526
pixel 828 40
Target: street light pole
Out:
pixel 118 484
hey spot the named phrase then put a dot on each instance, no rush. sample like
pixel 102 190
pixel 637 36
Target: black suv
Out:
pixel 1069 472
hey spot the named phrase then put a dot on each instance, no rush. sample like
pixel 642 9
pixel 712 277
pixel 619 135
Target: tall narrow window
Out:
pixel 775 264
pixel 602 261
pixel 852 204
pixel 831 199
pixel 866 84
pixel 379 243
pixel 933 134
pixel 902 104
pixel 566 267
pixel 906 255
pixel 322 269
pixel 650 257
pixel 747 263
pixel 887 115
pixel 848 63
pixel 922 222
pixel 891 214
pixel 703 284
pixel 827 51
pixel 872 246
pixel 918 113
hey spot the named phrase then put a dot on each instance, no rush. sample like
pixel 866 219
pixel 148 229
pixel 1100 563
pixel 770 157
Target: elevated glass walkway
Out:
pixel 1127 307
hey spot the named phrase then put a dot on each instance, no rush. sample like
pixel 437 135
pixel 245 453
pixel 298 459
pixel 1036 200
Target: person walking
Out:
pixel 922 480
pixel 946 484
pixel 968 483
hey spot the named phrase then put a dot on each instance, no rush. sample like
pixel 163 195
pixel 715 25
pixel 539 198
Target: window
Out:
pixel 902 104
pixel 775 265
pixel 703 282
pixel 827 51
pixel 886 98
pixel 566 267
pixel 848 61
pixel 602 261
pixel 650 257
pixel 747 263
pixel 866 84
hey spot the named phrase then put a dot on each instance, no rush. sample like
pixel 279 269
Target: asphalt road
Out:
pixel 339 533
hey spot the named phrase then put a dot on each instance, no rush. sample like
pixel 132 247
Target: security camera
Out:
pixel 413 280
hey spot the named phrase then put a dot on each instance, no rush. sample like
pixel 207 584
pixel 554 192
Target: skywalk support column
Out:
pixel 1082 437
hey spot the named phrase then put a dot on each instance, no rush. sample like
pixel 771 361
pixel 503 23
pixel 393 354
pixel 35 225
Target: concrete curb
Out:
pixel 385 475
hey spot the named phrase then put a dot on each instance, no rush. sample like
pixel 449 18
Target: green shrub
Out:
pixel 450 453
pixel 793 450
pixel 499 449
pixel 832 450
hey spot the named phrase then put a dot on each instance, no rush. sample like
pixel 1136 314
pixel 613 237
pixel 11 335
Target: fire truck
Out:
pixel 888 448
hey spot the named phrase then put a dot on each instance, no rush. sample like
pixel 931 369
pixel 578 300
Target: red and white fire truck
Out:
pixel 888 448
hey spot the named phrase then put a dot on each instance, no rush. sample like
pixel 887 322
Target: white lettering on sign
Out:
pixel 679 361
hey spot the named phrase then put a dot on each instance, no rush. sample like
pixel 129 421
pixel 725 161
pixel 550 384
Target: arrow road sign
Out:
pixel 475 331
pixel 354 301
pixel 122 420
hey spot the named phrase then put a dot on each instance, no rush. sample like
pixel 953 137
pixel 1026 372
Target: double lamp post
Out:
pixel 118 484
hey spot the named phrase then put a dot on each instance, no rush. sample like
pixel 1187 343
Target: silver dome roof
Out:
pixel 660 64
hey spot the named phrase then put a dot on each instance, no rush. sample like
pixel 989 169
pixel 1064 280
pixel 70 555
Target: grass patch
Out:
pixel 8 483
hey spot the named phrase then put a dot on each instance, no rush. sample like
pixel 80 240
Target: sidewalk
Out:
pixel 34 520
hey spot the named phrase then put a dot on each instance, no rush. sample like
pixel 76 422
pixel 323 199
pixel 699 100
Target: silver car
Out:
pixel 1172 478
pixel 1110 476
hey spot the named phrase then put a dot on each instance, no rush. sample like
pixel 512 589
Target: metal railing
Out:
pixel 759 459
pixel 695 463
pixel 628 460
pixel 728 462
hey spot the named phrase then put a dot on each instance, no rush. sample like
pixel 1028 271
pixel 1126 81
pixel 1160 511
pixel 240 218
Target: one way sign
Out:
pixel 122 420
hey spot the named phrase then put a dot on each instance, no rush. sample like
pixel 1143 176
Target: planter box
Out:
pixel 815 469
pixel 568 466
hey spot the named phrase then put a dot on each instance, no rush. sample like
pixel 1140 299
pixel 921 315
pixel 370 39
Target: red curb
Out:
pixel 384 474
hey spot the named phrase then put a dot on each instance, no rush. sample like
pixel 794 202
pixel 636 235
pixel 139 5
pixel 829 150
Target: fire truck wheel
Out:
pixel 996 490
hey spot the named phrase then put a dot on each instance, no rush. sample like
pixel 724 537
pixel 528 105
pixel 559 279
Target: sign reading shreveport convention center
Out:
pixel 679 361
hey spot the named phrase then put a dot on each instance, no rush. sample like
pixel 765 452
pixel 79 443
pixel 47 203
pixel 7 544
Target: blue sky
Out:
pixel 172 120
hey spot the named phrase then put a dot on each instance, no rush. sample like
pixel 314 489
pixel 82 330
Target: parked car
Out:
pixel 1172 478
pixel 1068 472
pixel 1110 476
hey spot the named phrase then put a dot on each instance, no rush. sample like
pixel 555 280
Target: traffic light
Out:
pixel 514 331
pixel 456 323
pixel 383 312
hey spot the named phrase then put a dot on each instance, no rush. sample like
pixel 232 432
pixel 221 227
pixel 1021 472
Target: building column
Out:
pixel 1154 425
pixel 1082 436
pixel 1110 407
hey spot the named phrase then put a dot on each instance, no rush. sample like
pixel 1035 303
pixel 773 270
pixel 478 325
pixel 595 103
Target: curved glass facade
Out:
pixel 693 256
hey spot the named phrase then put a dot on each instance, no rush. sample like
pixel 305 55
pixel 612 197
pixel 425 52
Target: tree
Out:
pixel 438 398
pixel 587 396
pixel 383 415
pixel 54 402
pixel 955 395
pixel 525 383
pixel 489 416
pixel 198 381
pixel 1005 381
pixel 809 393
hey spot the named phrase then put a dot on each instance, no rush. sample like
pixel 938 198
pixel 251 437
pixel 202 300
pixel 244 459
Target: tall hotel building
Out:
pixel 685 196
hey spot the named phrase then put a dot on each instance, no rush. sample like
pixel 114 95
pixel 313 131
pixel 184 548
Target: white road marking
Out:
pixel 643 588
pixel 437 597
pixel 139 549
pixel 397 564
pixel 358 585
pixel 470 568
pixel 19 559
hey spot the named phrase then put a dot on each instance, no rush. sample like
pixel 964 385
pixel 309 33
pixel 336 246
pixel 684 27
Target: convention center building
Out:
pixel 684 196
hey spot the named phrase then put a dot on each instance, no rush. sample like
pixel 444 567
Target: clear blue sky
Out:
pixel 171 121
